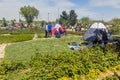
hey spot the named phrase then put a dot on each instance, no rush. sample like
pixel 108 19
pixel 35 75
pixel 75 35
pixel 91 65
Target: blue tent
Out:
pixel 91 34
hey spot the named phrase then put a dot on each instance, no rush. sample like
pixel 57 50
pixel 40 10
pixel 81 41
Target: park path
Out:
pixel 2 49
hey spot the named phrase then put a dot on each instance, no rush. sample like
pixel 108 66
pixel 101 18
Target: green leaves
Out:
pixel 70 18
pixel 29 13
pixel 115 29
pixel 53 61
pixel 89 62
pixel 15 38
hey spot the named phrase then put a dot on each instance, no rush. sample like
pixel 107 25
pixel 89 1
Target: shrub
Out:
pixel 15 38
pixel 8 66
pixel 91 62
pixel 64 64
pixel 54 66
pixel 21 31
pixel 112 78
pixel 93 73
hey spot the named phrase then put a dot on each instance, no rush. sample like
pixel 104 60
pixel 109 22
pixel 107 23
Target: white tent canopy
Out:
pixel 98 25
pixel 57 26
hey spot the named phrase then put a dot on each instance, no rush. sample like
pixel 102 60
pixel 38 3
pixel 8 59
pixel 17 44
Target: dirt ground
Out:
pixel 2 49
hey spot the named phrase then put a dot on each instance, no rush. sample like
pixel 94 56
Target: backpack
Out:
pixel 57 35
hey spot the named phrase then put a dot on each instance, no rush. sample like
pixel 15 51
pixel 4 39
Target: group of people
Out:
pixel 78 27
pixel 54 30
pixel 48 30
pixel 102 37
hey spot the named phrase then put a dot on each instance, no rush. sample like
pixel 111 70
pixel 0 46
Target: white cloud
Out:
pixel 10 8
pixel 112 3
pixel 52 6
pixel 85 13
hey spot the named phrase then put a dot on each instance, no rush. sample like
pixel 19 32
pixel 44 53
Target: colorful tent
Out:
pixel 57 28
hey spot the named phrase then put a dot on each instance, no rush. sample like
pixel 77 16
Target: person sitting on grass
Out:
pixel 104 36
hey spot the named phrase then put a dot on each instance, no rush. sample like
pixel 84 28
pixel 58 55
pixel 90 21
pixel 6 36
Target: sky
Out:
pixel 94 9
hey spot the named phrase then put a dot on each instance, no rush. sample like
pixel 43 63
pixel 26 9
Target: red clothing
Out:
pixel 53 31
pixel 64 28
pixel 61 29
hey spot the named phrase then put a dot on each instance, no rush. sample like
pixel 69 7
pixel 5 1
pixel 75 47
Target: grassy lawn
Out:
pixel 23 60
pixel 23 51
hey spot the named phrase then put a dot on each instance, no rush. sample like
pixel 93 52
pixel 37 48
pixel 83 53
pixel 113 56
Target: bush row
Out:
pixel 15 38
pixel 44 66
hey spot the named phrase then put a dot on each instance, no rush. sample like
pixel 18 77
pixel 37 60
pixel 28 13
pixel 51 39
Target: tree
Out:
pixel 13 22
pixel 1 21
pixel 72 17
pixel 43 23
pixel 4 22
pixel 85 21
pixel 29 13
pixel 64 18
pixel 116 25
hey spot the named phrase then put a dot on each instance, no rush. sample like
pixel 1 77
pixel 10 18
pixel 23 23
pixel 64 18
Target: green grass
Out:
pixel 15 38
pixel 50 59
pixel 23 51
pixel 9 38
pixel 23 31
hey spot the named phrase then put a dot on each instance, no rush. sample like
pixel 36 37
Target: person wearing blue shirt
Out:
pixel 49 30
